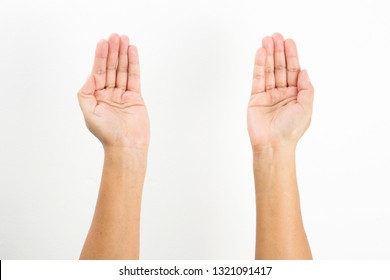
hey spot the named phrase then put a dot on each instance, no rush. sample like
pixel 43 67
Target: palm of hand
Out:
pixel 121 115
pixel 111 100
pixel 279 109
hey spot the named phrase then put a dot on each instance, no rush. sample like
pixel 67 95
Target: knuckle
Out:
pixel 293 69
pixel 122 69
pixel 111 85
pixel 280 67
pixel 258 77
pixel 100 71
pixel 134 74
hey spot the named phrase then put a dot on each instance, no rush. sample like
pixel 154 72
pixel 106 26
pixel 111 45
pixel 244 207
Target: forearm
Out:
pixel 279 233
pixel 114 233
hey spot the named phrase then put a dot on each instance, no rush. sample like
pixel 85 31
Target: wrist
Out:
pixel 274 148
pixel 127 157
pixel 124 150
pixel 125 145
pixel 271 155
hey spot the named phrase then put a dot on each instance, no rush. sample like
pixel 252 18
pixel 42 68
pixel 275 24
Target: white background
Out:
pixel 196 59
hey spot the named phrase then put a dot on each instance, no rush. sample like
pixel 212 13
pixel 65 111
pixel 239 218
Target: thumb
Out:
pixel 86 95
pixel 305 89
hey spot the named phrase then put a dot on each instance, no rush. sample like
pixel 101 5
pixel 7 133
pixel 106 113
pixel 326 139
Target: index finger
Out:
pixel 99 64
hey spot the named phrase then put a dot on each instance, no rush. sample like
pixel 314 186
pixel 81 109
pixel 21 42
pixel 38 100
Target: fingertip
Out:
pixel 87 82
pixel 260 56
pixel 133 49
pixel 125 39
pixel 289 40
pixel 304 80
pixel 266 41
pixel 305 74
pixel 308 79
pixel 290 44
pixel 133 54
pixel 278 34
pixel 89 85
pixel 114 39
pixel 268 44
pixel 102 49
pixel 114 35
pixel 278 41
pixel 262 51
pixel 124 44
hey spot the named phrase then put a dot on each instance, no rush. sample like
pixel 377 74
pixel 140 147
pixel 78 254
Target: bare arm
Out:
pixel 279 112
pixel 279 227
pixel 114 233
pixel 115 113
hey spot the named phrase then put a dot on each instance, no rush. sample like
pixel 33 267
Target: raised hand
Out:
pixel 280 107
pixel 279 112
pixel 116 114
pixel 111 100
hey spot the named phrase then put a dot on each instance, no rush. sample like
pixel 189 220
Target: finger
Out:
pixel 133 81
pixel 258 83
pixel 86 95
pixel 280 61
pixel 305 90
pixel 268 45
pixel 121 72
pixel 112 60
pixel 99 65
pixel 293 66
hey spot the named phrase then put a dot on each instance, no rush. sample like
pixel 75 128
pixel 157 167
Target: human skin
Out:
pixel 115 113
pixel 279 112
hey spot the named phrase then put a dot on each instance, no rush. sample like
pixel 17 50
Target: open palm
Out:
pixel 280 106
pixel 111 99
